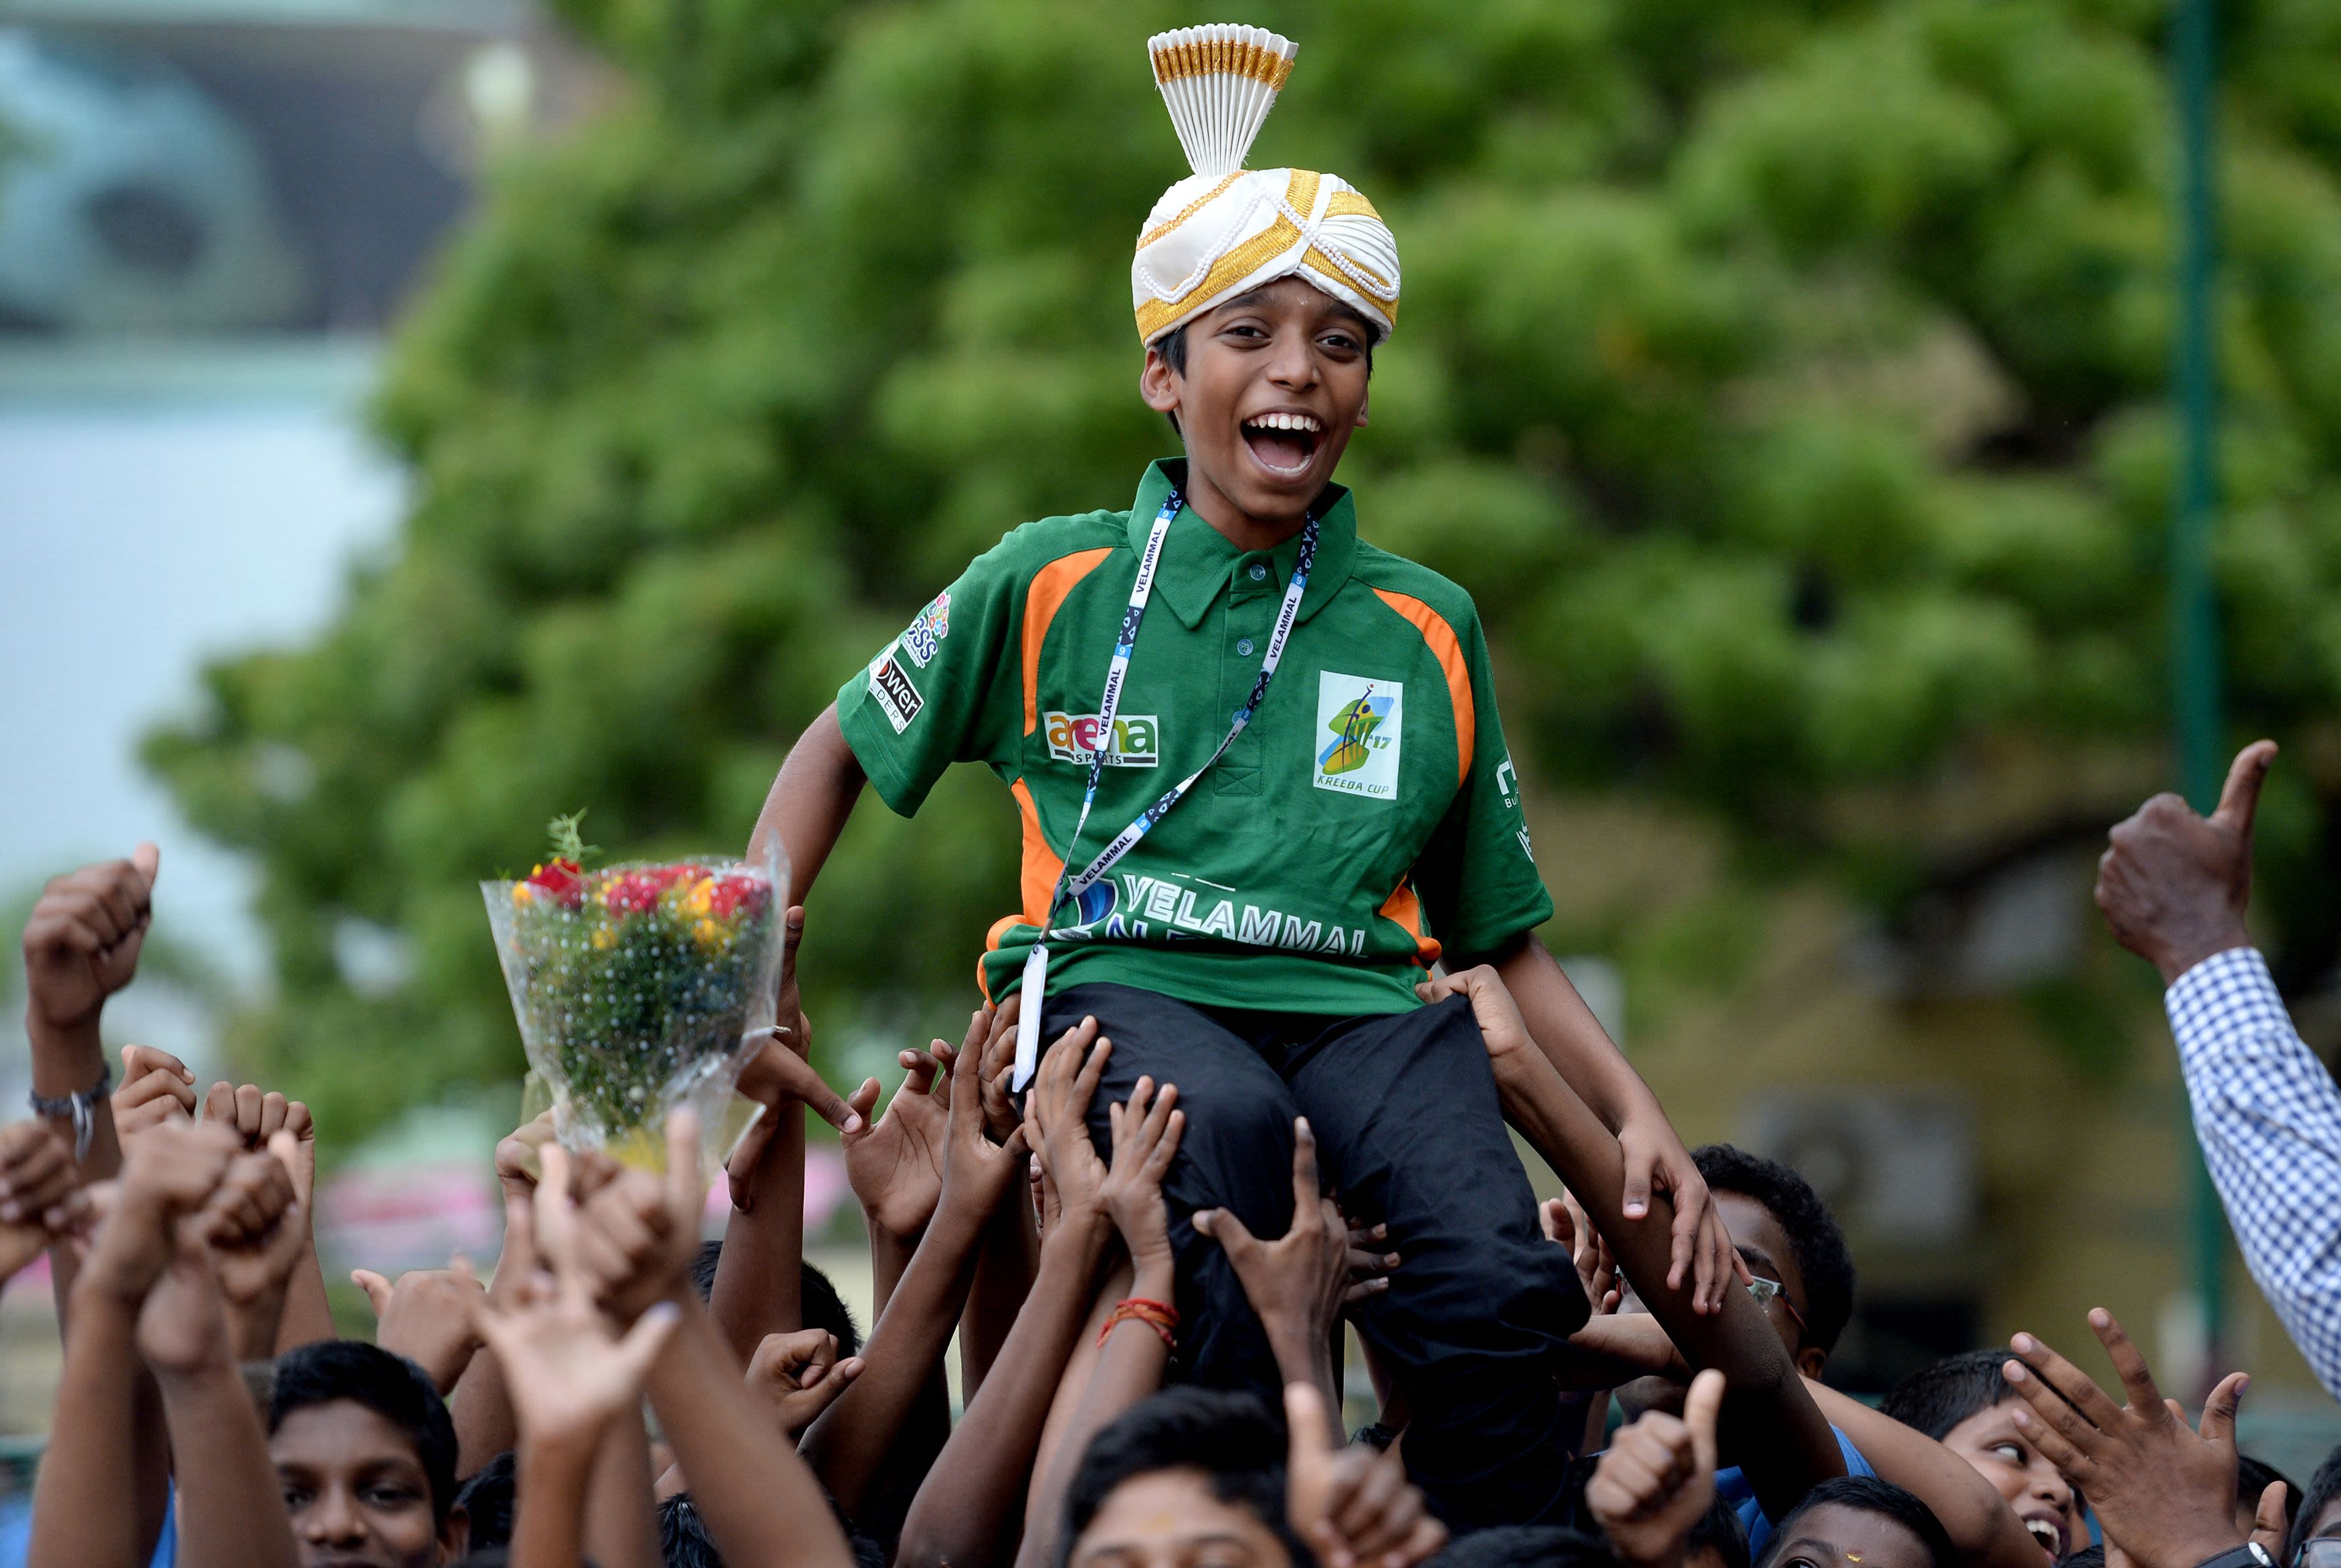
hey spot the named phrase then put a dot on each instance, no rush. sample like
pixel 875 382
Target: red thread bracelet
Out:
pixel 1159 1315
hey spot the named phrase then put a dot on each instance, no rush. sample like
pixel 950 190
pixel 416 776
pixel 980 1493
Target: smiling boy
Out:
pixel 1263 787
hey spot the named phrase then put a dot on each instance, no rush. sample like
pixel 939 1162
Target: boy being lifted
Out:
pixel 1253 818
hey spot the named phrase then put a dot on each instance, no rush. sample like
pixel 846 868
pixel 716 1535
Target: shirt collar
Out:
pixel 1198 560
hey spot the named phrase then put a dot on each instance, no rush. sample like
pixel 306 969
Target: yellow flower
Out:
pixel 700 900
pixel 605 939
pixel 707 933
pixel 522 893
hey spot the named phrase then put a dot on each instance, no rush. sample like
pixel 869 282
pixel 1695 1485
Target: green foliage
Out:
pixel 1784 376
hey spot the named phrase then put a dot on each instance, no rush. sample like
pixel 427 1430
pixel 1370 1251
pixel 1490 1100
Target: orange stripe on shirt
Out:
pixel 1036 878
pixel 1450 654
pixel 1043 600
pixel 1404 907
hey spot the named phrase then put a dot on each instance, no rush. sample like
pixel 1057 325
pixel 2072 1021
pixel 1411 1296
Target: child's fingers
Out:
pixel 554 1219
pixel 272 1115
pixel 376 1287
pixel 1166 1148
pixel 2270 1522
pixel 1359 1516
pixel 219 1103
pixel 920 1069
pixel 1306 1187
pixel 1702 1406
pixel 2129 1363
pixel 248 1099
pixel 686 1192
pixel 1085 1084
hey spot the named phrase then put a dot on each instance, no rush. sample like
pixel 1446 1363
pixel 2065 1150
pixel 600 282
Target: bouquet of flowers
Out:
pixel 637 986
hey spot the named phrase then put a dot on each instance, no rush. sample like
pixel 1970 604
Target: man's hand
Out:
pixel 41 1198
pixel 1056 1118
pixel 2174 886
pixel 1146 1133
pixel 166 1176
pixel 800 1376
pixel 82 943
pixel 156 1087
pixel 1658 1478
pixel 1352 1505
pixel 1296 1283
pixel 426 1316
pixel 2165 1494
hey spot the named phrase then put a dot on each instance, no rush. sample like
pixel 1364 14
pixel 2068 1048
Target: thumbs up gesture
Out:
pixel 1353 1505
pixel 2173 885
pixel 1658 1479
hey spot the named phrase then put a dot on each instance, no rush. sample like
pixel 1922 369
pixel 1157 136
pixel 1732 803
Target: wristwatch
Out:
pixel 2250 1554
pixel 81 1109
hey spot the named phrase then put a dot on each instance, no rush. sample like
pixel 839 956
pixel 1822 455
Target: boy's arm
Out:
pixel 810 800
pixel 1981 1524
pixel 1769 1420
pixel 1572 1039
pixel 1011 1251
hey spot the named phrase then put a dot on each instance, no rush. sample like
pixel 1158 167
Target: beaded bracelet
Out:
pixel 1159 1315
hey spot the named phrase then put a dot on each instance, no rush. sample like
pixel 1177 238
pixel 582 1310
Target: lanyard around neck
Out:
pixel 1072 886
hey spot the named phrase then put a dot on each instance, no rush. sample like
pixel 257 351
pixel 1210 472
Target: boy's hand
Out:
pixel 773 1076
pixel 255 1114
pixel 1000 1115
pixel 1369 1266
pixel 167 1176
pixel 518 1157
pixel 427 1316
pixel 800 1376
pixel 156 1087
pixel 2174 886
pixel 1352 1505
pixel 1056 1118
pixel 41 1199
pixel 2165 1494
pixel 257 1228
pixel 1658 1478
pixel 637 1237
pixel 1146 1133
pixel 1567 1225
pixel 976 1171
pixel 82 943
pixel 895 1165
pixel 1296 1283
pixel 183 1328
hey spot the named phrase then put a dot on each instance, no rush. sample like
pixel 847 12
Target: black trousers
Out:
pixel 1410 1134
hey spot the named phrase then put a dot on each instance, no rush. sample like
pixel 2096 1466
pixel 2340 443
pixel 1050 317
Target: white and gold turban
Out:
pixel 1226 229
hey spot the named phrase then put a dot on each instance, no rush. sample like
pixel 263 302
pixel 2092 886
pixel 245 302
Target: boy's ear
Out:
pixel 1811 1360
pixel 1158 383
pixel 455 1536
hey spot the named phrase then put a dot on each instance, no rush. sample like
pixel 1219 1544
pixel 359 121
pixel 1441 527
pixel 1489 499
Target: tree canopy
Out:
pixel 1785 378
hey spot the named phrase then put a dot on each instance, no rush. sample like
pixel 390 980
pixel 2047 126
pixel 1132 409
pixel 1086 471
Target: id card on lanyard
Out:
pixel 1071 886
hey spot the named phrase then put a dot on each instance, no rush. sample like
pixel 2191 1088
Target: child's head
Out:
pixel 1528 1546
pixel 1265 389
pixel 822 1306
pixel 2320 1508
pixel 1188 1469
pixel 2254 1476
pixel 1964 1402
pixel 366 1452
pixel 1860 1519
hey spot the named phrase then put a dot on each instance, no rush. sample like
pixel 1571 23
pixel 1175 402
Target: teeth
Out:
pixel 1285 421
pixel 2044 1533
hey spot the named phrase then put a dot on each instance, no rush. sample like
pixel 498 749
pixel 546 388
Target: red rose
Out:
pixel 563 880
pixel 739 895
pixel 632 893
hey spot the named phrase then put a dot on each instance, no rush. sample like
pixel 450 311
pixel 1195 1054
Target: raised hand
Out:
pixel 800 1376
pixel 2174 886
pixel 156 1087
pixel 2164 1493
pixel 1056 1118
pixel 636 1239
pixel 41 1198
pixel 426 1316
pixel 166 1177
pixel 976 1171
pixel 1353 1505
pixel 257 1228
pixel 1369 1266
pixel 895 1165
pixel 1295 1282
pixel 775 1075
pixel 1146 1133
pixel 1565 1223
pixel 999 1115
pixel 1658 1478
pixel 82 943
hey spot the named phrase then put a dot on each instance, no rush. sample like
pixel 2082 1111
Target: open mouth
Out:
pixel 2048 1533
pixel 1283 442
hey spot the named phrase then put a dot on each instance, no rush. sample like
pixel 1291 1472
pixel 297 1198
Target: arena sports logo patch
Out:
pixel 1359 723
pixel 925 637
pixel 1073 737
pixel 890 683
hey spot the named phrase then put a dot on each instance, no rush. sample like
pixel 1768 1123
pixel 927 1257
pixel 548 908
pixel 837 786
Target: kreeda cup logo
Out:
pixel 1359 723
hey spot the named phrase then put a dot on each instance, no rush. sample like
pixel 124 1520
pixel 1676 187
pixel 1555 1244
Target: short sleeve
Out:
pixel 1477 876
pixel 933 696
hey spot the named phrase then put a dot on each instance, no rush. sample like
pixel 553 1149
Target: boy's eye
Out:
pixel 296 1498
pixel 389 1496
pixel 2010 1452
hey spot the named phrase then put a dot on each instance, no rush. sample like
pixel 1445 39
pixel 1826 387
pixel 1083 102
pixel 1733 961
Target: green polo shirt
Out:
pixel 1367 818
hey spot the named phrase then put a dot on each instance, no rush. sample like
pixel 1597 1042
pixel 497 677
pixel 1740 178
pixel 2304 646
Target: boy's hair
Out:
pixel 1870 1495
pixel 1527 1546
pixel 684 1541
pixel 390 1385
pixel 2254 1476
pixel 1719 1528
pixel 487 1499
pixel 822 1306
pixel 1936 1398
pixel 1228 1436
pixel 1823 1260
pixel 2322 1487
pixel 2093 1556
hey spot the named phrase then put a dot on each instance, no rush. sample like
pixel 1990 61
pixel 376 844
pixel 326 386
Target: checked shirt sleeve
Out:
pixel 2268 1116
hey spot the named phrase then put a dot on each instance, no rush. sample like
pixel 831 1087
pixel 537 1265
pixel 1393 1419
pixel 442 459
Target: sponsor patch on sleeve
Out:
pixel 927 631
pixel 889 684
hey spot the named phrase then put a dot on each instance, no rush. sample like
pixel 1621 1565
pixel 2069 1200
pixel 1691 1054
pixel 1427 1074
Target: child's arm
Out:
pixel 809 802
pixel 905 1353
pixel 1572 1039
pixel 1769 1420
pixel 1981 1524
pixel 1130 1364
pixel 966 1509
pixel 1011 1250
pixel 256 1240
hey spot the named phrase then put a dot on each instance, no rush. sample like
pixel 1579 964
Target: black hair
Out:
pixel 822 1306
pixel 390 1385
pixel 1823 1260
pixel 1719 1528
pixel 2093 1556
pixel 1230 1437
pixel 484 1557
pixel 487 1501
pixel 1870 1495
pixel 1526 1546
pixel 2254 1476
pixel 2323 1488
pixel 684 1541
pixel 1936 1398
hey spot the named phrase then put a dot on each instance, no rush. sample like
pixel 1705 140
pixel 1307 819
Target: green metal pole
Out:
pixel 2194 619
